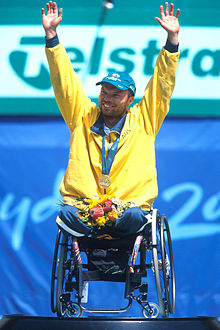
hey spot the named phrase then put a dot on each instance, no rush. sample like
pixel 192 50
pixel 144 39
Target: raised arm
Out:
pixel 70 95
pixel 169 22
pixel 155 103
pixel 52 19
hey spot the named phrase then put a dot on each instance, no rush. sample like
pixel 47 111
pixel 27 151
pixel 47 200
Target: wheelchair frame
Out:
pixel 69 274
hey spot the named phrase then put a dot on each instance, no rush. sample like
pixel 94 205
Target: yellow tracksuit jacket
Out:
pixel 133 173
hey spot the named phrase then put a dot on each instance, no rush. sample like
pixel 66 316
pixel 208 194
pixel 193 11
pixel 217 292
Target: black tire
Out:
pixel 168 270
pixel 54 274
pixel 60 306
pixel 164 277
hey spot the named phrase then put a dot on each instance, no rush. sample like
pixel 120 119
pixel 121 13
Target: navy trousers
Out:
pixel 132 221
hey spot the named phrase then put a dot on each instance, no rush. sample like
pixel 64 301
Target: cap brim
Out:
pixel 117 85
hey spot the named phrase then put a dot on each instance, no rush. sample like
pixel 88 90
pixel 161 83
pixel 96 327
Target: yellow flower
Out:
pixel 112 196
pixel 88 200
pixel 112 216
pixel 93 203
pixel 103 198
pixel 101 221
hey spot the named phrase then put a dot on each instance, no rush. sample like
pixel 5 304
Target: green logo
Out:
pixel 19 58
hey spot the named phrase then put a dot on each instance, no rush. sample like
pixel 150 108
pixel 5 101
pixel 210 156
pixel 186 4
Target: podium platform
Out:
pixel 21 322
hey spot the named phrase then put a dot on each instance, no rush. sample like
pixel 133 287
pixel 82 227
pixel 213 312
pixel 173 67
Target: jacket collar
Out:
pixel 98 126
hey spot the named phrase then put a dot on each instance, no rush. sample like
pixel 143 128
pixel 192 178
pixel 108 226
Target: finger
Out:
pixel 171 9
pixel 158 20
pixel 48 7
pixel 177 13
pixel 166 9
pixel 42 12
pixel 60 14
pixel 55 8
pixel 161 12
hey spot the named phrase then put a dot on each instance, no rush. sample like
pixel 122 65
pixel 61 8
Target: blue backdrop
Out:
pixel 33 157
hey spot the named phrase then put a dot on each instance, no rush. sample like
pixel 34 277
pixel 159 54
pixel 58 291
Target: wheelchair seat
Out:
pixel 123 243
pixel 109 256
pixel 115 260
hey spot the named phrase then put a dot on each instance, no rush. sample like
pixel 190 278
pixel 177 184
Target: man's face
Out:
pixel 114 102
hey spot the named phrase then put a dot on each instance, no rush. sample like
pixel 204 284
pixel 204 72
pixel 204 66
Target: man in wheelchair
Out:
pixel 110 183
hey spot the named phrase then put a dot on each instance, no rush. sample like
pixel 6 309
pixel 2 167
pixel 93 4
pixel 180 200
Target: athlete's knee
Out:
pixel 68 212
pixel 134 214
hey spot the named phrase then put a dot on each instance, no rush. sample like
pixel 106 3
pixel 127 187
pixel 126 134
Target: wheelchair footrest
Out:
pixel 108 310
pixel 95 275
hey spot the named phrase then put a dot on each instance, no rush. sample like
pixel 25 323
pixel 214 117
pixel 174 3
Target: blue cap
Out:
pixel 121 80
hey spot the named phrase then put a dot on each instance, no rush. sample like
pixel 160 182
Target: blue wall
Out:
pixel 33 157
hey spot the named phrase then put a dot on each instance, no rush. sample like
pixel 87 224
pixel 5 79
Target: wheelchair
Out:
pixel 147 252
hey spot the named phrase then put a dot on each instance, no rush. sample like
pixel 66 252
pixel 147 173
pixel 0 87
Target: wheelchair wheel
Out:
pixel 63 271
pixel 61 263
pixel 54 274
pixel 163 265
pixel 168 266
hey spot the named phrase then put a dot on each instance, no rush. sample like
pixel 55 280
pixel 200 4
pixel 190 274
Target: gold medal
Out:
pixel 104 181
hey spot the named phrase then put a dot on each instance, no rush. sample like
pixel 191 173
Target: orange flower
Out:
pixel 112 216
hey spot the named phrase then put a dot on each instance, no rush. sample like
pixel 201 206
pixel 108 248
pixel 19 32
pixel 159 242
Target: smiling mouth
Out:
pixel 107 106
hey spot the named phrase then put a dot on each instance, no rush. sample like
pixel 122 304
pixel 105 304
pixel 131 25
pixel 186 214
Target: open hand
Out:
pixel 169 22
pixel 52 19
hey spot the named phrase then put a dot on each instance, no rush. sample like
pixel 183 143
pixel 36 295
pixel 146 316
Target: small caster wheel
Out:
pixel 150 310
pixel 73 310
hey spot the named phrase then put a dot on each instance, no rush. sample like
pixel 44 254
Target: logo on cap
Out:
pixel 115 75
pixel 121 80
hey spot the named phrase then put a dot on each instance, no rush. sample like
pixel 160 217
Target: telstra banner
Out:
pixel 94 52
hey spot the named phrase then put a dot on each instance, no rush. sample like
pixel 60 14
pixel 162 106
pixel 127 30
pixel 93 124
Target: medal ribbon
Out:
pixel 108 161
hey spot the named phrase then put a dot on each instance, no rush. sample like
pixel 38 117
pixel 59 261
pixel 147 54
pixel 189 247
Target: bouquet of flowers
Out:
pixel 102 212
